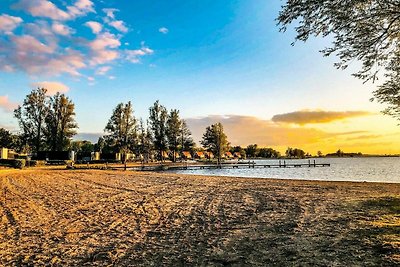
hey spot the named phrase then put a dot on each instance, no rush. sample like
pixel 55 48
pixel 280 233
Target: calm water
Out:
pixel 341 169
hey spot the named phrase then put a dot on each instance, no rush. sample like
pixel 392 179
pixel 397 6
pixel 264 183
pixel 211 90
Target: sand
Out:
pixel 116 218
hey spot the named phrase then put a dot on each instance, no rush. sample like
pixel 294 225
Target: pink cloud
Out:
pixel 103 70
pixel 119 25
pixel 134 55
pixel 9 23
pixel 103 49
pixel 6 104
pixel 94 26
pixel 28 44
pixel 46 9
pixel 52 87
pixel 110 12
pixel 62 29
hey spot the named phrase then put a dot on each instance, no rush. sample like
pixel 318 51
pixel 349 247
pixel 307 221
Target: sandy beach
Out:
pixel 116 218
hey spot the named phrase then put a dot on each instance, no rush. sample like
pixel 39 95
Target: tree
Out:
pixel 174 129
pixel 60 122
pixel 145 142
pixel 319 154
pixel 238 149
pixel 5 138
pixel 251 151
pixel 121 128
pixel 31 117
pixel 158 123
pixel 268 153
pixel 186 140
pixel 215 140
pixel 366 31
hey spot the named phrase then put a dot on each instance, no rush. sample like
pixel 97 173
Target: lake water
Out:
pixel 342 169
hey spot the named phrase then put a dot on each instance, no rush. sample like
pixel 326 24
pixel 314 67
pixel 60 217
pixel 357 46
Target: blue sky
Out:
pixel 205 58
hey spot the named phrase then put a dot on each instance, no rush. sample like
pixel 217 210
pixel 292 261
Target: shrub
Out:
pixel 14 163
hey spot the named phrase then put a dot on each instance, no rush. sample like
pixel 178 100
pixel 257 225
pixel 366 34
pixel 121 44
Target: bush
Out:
pixel 19 163
pixel 35 163
pixel 14 163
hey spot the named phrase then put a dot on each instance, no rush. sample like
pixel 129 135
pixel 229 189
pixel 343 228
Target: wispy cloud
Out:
pixel 134 55
pixel 163 30
pixel 96 27
pixel 46 9
pixel 52 87
pixel 49 44
pixel 62 29
pixel 244 130
pixel 103 70
pixel 9 23
pixel 307 117
pixel 6 105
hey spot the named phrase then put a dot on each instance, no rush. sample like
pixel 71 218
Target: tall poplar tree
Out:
pixel 158 123
pixel 122 128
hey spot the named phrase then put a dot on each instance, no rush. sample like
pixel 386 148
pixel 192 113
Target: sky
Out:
pixel 216 61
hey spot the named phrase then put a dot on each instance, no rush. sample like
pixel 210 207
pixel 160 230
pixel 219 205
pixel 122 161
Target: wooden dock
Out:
pixel 247 165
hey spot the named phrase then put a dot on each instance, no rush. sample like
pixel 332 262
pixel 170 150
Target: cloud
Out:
pixel 163 30
pixel 103 70
pixel 244 130
pixel 62 29
pixel 28 44
pixel 110 12
pixel 9 23
pixel 6 105
pixel 94 26
pixel 134 55
pixel 119 25
pixel 306 117
pixel 110 20
pixel 46 9
pixel 103 48
pixel 52 47
pixel 52 87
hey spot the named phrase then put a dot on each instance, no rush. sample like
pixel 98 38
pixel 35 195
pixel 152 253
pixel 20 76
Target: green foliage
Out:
pixel 46 122
pixel 122 128
pixel 174 129
pixel 186 140
pixel 238 149
pixel 367 31
pixel 11 141
pixel 60 122
pixel 268 153
pixel 251 151
pixel 158 123
pixel 215 140
pixel 144 141
pixel 14 163
pixel 295 153
pixel 31 117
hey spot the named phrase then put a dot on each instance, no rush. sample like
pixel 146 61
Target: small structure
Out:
pixel 209 155
pixel 186 155
pixel 228 155
pixel 199 155
pixel 95 155
pixel 3 153
pixel 130 156
pixel 164 155
pixel 177 156
pixel 237 155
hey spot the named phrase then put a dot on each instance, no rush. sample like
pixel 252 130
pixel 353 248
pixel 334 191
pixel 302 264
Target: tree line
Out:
pixel 47 123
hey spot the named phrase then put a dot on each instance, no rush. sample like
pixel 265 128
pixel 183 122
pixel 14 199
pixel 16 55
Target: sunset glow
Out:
pixel 216 61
